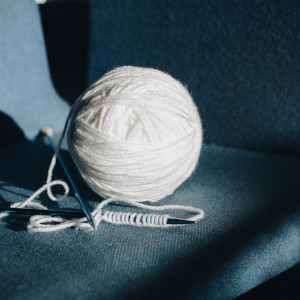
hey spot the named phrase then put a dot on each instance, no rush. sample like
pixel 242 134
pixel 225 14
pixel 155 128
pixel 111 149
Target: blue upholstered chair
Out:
pixel 27 94
pixel 240 61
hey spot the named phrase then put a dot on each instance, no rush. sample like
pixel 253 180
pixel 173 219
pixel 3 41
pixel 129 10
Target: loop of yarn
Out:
pixel 149 220
pixel 135 135
pixel 41 223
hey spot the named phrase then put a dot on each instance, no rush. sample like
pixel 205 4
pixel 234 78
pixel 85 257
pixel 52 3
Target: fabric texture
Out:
pixel 250 233
pixel 28 98
pixel 239 59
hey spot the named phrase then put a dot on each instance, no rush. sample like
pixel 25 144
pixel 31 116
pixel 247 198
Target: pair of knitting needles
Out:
pixel 86 212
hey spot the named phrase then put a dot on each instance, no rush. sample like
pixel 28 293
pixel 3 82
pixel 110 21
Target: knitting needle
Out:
pixel 48 133
pixel 71 214
pixel 32 212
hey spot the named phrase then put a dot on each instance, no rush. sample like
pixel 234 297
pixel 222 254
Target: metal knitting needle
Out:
pixel 71 214
pixel 48 133
pixel 33 212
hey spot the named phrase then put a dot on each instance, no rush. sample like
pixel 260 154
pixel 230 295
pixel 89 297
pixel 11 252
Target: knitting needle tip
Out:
pixel 47 131
pixel 172 221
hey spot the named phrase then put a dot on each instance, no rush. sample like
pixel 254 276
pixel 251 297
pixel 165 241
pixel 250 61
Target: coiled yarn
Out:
pixel 135 135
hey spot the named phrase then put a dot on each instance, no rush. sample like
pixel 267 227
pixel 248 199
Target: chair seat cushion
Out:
pixel 250 233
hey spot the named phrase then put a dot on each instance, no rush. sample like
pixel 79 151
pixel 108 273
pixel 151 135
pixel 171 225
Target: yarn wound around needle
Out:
pixel 135 136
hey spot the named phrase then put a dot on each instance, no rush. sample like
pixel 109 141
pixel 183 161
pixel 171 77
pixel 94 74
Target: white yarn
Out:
pixel 135 135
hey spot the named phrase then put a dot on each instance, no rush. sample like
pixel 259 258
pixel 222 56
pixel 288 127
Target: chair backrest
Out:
pixel 27 96
pixel 239 59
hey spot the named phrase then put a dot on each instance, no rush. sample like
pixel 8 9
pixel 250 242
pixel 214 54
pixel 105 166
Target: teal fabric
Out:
pixel 27 95
pixel 251 229
pixel 239 59
pixel 250 234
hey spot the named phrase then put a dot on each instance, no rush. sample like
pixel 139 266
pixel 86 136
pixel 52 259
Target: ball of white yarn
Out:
pixel 135 134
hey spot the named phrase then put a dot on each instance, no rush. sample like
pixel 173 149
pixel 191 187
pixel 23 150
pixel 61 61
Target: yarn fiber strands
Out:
pixel 135 136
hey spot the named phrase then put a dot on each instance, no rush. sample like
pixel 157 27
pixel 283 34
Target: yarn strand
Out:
pixel 41 223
